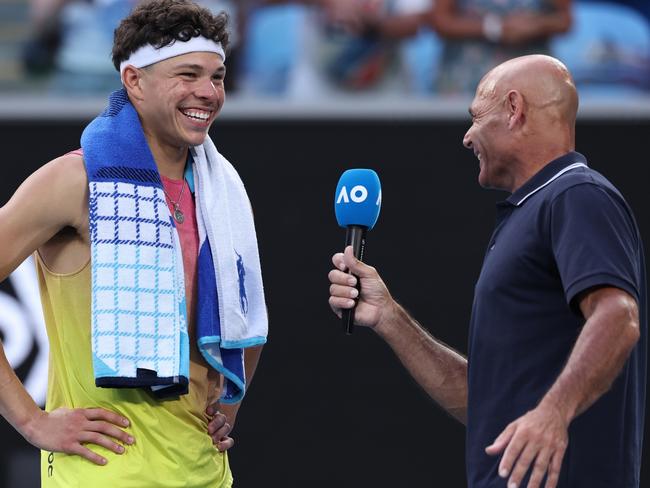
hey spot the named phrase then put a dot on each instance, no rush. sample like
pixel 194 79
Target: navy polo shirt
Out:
pixel 564 231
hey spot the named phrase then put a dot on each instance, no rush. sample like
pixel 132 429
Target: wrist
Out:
pixel 390 315
pixel 560 405
pixel 230 409
pixel 492 27
pixel 28 427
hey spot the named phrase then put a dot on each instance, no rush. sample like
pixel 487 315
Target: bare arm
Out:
pixel 608 336
pixel 402 25
pixel 539 438
pixel 25 224
pixel 43 11
pixel 251 360
pixel 48 201
pixel 518 27
pixel 224 416
pixel 440 370
pixel 44 204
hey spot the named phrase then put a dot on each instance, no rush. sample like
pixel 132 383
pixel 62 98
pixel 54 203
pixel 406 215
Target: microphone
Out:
pixel 356 204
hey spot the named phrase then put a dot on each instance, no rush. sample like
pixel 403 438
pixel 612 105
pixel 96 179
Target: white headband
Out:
pixel 148 54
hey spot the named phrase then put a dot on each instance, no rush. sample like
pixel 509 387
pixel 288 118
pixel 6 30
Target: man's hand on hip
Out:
pixel 534 441
pixel 70 430
pixel 220 427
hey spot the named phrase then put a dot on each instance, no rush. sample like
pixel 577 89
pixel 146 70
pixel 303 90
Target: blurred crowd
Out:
pixel 311 48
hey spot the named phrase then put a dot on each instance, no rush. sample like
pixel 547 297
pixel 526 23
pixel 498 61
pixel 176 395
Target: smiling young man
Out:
pixel 146 254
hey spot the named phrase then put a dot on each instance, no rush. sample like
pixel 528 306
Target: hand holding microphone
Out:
pixel 357 202
pixel 371 303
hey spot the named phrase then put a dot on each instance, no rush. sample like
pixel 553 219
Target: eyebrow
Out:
pixel 189 66
pixel 221 69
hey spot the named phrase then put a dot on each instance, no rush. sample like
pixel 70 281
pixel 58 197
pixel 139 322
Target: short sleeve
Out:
pixel 595 241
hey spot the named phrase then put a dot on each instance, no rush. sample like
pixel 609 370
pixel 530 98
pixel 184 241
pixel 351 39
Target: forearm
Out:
pixel 438 369
pixel 450 25
pixel 401 26
pixel 16 406
pixel 251 360
pixel 550 24
pixel 516 27
pixel 598 356
pixel 43 11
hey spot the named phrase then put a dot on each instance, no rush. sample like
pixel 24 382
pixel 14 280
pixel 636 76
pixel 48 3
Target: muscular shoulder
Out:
pixel 68 171
pixel 52 199
pixel 61 184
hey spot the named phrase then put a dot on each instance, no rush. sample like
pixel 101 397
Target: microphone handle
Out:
pixel 355 237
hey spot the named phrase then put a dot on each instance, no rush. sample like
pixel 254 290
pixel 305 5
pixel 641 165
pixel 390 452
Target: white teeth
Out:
pixel 197 115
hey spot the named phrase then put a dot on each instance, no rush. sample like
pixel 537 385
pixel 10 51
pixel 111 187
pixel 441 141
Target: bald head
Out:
pixel 544 83
pixel 523 117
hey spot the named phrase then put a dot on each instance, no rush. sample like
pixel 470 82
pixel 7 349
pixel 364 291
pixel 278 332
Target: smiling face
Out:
pixel 523 116
pixel 490 138
pixel 180 98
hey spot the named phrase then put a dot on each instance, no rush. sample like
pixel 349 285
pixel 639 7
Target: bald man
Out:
pixel 553 389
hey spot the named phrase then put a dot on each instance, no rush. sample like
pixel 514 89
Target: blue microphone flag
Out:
pixel 358 198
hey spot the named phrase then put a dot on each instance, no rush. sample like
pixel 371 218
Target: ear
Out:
pixel 515 108
pixel 132 81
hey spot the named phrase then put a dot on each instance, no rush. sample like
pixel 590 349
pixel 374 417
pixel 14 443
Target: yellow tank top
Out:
pixel 172 448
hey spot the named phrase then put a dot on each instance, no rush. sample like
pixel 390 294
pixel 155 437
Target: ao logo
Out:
pixel 358 194
pixel 23 328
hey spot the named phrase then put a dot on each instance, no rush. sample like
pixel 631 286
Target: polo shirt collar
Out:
pixel 546 175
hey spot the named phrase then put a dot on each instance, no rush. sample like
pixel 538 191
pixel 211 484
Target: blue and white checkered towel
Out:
pixel 139 323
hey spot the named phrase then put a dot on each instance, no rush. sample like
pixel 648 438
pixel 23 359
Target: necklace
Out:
pixel 178 215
